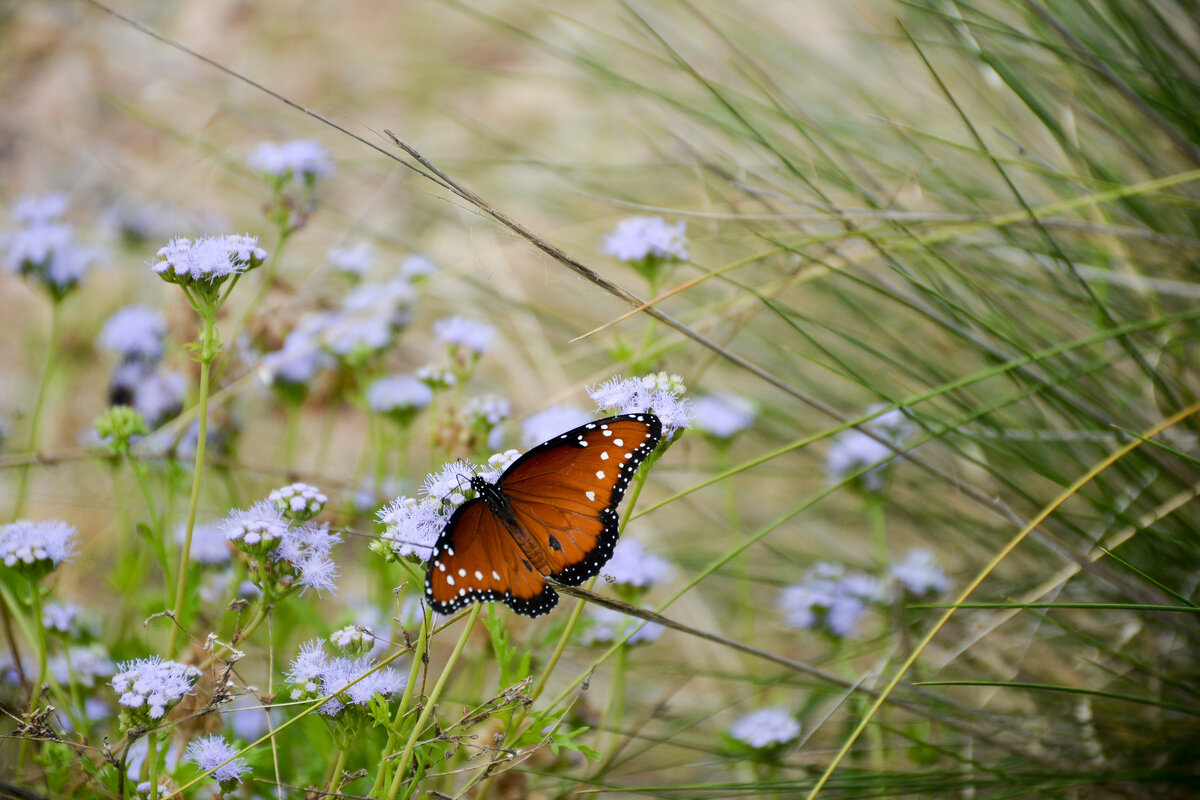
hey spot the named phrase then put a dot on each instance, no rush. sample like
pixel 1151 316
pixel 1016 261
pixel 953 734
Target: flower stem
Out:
pixel 152 760
pixel 39 403
pixel 208 352
pixel 431 702
pixel 40 630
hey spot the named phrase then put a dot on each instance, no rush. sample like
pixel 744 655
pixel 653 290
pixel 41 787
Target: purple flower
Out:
pixel 853 450
pixel 399 395
pixel 545 425
pixel 297 362
pixel 307 549
pixel 354 259
pixel 305 158
pixel 313 674
pixel 150 687
pixel 411 527
pixel 134 332
pixel 81 665
pixel 48 252
pixel 829 599
pixel 298 501
pixel 246 717
pixel 765 728
pixel 256 530
pixel 607 625
pixel 638 238
pixel 919 575
pixel 448 484
pixel 59 616
pixel 416 267
pixel 155 393
pixel 660 393
pixel 631 565
pixel 486 411
pixel 39 210
pixel 210 544
pixel 210 258
pixel 723 415
pixel 210 751
pixel 36 547
pixel 467 334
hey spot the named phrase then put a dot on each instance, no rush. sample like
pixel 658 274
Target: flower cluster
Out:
pixel 59 617
pixel 545 425
pixel 918 574
pixel 81 665
pixel 355 640
pixel 313 674
pixel 211 753
pixel 303 158
pixel 765 728
pixel 299 502
pixel 631 566
pixel 464 335
pixel 399 397
pixel 136 334
pixel 355 260
pixel 283 555
pixel 150 687
pixel 641 238
pixel 208 260
pixel 660 394
pixel 36 548
pixel 722 416
pixel 43 248
pixel 829 599
pixel 854 450
pixel 209 543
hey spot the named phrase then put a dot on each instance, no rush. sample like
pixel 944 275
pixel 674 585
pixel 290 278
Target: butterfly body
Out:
pixel 552 514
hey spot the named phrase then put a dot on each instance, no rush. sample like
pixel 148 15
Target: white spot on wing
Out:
pixel 600 474
pixel 591 496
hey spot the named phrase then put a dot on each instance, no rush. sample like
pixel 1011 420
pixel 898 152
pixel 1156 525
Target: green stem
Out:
pixel 139 472
pixel 208 353
pixel 430 703
pixel 152 760
pixel 40 632
pixel 335 779
pixel 38 404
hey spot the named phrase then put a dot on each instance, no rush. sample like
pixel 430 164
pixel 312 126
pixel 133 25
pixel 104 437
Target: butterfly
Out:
pixel 553 513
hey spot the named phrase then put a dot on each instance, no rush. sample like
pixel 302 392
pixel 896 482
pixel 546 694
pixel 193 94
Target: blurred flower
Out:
pixel 297 362
pixel 35 210
pixel 81 665
pixel 638 238
pixel 412 527
pixel 155 393
pixel 919 575
pixel 246 717
pixel 141 222
pixel 304 158
pixel 355 259
pixel 497 463
pixel 368 497
pixel 765 728
pixel 467 334
pixel 398 396
pixel 208 752
pixel 545 425
pixel 416 267
pixel 298 501
pixel 36 548
pixel 134 332
pixel 829 599
pixel 436 377
pixel 606 625
pixel 486 411
pixel 631 565
pixel 723 415
pixel 59 616
pixel 149 687
pixel 659 393
pixel 211 259
pixel 355 640
pixel 853 450
pixel 209 542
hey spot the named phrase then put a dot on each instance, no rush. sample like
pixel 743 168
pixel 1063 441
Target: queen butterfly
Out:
pixel 553 513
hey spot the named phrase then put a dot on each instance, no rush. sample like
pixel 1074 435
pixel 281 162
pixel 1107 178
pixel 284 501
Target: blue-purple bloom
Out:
pixel 59 617
pixel 304 158
pixel 721 416
pixel 400 396
pixel 297 362
pixel 659 393
pixel 150 687
pixel 465 334
pixel 417 267
pixel 632 566
pixel 256 530
pixel 412 527
pixel 545 425
pixel 44 248
pixel 918 574
pixel 208 752
pixel 81 665
pixel 638 238
pixel 211 259
pixel 606 625
pixel 829 599
pixel 134 332
pixel 853 450
pixel 209 542
pixel 354 259
pixel 765 728
pixel 313 674
pixel 151 390
pixel 299 502
pixel 40 210
pixel 36 547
